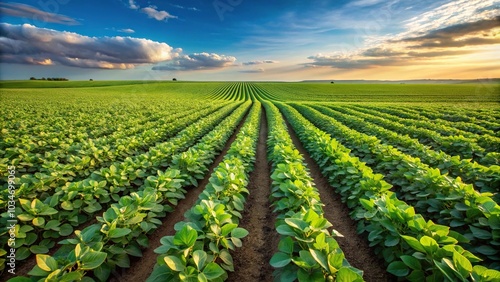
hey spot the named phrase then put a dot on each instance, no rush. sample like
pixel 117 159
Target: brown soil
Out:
pixel 355 247
pixel 251 261
pixel 141 268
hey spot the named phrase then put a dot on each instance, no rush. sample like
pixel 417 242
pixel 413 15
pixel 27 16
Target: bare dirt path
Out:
pixel 251 261
pixel 355 247
pixel 141 268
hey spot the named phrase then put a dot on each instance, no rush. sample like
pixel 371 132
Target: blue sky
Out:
pixel 249 40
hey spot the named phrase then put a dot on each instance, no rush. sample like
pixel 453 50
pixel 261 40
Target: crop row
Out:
pixel 77 202
pixel 487 117
pixel 443 128
pixel 200 248
pixel 30 157
pixel 122 230
pixel 76 162
pixel 41 185
pixel 67 125
pixel 232 92
pixel 484 179
pixel 410 113
pixel 446 200
pixel 487 142
pixel 412 247
pixel 241 91
pixel 454 145
pixel 484 118
pixel 307 249
pixel 416 94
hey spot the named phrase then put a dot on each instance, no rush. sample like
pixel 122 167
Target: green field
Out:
pixel 103 167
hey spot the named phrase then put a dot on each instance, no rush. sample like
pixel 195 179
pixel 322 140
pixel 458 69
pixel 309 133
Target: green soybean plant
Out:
pixel 308 252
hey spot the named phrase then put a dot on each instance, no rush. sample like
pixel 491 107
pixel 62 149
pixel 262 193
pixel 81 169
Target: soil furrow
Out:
pixel 355 247
pixel 251 261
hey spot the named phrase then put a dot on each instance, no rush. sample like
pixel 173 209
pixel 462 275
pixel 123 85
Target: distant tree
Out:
pixel 32 78
pixel 174 79
pixel 91 79
pixel 332 82
pixel 43 78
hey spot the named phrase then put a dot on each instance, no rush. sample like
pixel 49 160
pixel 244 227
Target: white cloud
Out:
pixel 364 3
pixel 27 44
pixel 259 70
pixel 27 11
pixel 198 61
pixel 452 13
pixel 132 5
pixel 187 8
pixel 444 31
pixel 127 30
pixel 259 62
pixel 153 13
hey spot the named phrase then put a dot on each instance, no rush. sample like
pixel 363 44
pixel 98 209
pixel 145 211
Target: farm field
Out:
pixel 249 181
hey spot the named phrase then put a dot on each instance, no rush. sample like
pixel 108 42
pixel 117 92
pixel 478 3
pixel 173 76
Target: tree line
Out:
pixel 50 78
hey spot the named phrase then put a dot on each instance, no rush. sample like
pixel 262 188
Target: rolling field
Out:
pixel 216 181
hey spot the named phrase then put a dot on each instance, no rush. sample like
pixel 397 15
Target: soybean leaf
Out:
pixel 174 263
pixel 119 232
pixel 227 228
pixel 239 233
pixel 186 236
pixel 398 268
pixel 199 258
pixel 280 259
pixel 346 274
pixel 414 243
pixel 320 258
pixel 71 276
pixel 411 262
pixel 286 245
pixel 92 260
pixel 39 249
pixel 213 271
pixel 462 264
pixel 46 262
